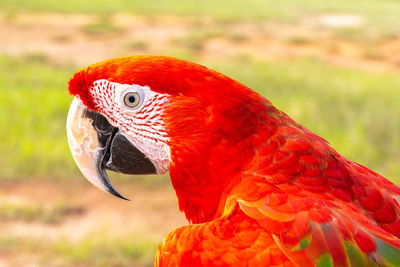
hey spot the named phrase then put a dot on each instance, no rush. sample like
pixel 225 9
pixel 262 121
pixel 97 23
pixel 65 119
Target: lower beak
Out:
pixel 96 146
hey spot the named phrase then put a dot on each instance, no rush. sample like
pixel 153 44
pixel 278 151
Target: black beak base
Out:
pixel 117 153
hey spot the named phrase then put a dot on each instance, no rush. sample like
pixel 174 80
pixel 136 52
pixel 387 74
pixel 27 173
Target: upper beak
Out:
pixel 96 146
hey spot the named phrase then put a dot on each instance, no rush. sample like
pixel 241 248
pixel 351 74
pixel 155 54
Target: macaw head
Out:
pixel 153 114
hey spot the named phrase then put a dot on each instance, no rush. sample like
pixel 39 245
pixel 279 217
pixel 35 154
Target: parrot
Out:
pixel 257 188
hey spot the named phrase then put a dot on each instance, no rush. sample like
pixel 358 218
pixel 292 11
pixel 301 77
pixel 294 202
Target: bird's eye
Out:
pixel 132 99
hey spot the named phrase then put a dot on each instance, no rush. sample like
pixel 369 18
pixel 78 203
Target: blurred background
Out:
pixel 331 65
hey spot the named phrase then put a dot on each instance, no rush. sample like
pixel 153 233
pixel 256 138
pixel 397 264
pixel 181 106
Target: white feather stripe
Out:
pixel 144 125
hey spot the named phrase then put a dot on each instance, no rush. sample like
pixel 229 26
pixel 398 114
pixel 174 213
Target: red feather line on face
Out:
pixel 79 86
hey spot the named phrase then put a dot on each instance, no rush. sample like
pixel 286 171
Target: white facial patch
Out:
pixel 142 124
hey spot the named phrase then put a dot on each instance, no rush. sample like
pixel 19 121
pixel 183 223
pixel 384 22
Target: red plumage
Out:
pixel 261 189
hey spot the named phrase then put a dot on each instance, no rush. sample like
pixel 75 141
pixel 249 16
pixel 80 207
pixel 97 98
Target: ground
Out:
pixel 85 39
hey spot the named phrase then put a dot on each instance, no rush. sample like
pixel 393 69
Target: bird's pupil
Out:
pixel 131 98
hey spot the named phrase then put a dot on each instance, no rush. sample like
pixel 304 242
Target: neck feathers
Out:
pixel 211 147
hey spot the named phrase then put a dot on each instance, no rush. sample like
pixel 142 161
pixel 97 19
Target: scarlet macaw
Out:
pixel 258 188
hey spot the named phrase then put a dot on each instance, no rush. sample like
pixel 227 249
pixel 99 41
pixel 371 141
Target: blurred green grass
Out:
pixel 356 111
pixel 381 16
pixel 33 107
pixel 103 249
pixel 37 213
pixel 99 248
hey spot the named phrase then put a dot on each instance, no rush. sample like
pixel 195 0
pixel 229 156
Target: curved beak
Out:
pixel 96 146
